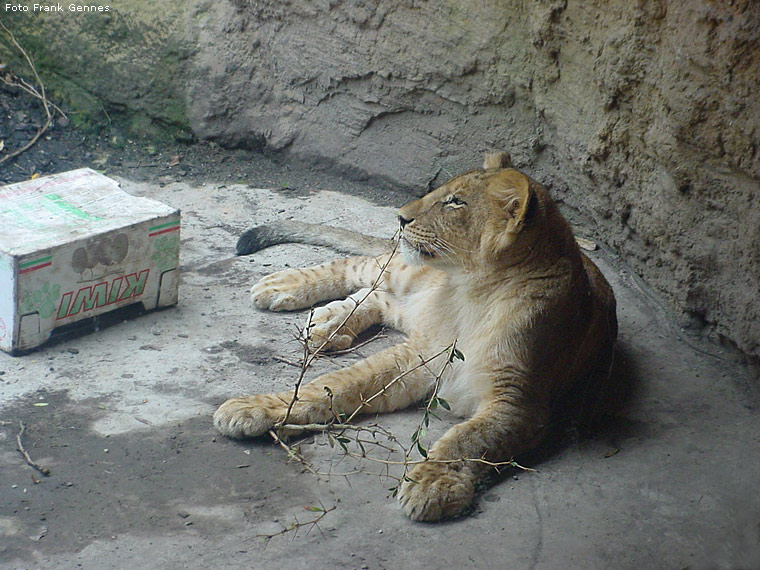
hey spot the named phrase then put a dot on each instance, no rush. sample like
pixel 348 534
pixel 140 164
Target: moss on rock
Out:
pixel 121 66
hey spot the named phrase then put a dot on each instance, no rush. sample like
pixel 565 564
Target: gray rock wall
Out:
pixel 643 114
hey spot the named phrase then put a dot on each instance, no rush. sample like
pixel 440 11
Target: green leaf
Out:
pixel 444 404
pixel 456 353
pixel 422 450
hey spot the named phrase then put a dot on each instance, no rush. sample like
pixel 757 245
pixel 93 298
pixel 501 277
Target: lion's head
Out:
pixel 474 218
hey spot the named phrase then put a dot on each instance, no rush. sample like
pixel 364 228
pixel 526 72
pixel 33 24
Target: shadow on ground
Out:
pixel 103 486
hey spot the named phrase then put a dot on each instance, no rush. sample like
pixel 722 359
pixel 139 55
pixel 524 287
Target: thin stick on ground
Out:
pixel 38 93
pixel 293 453
pixel 295 526
pixel 22 450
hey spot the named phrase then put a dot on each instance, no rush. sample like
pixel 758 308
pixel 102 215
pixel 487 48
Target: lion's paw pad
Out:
pixel 435 491
pixel 244 417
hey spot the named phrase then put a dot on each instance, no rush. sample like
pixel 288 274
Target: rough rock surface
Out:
pixel 643 115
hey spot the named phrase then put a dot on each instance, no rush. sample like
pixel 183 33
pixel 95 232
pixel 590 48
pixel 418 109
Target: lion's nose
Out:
pixel 403 221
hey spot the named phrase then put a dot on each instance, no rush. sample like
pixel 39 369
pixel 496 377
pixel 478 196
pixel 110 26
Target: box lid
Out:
pixel 60 208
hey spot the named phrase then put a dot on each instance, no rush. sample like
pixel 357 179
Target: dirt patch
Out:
pixel 101 487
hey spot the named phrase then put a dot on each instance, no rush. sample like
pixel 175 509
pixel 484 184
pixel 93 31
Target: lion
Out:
pixel 486 264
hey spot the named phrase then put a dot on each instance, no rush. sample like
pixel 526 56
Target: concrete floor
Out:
pixel 140 479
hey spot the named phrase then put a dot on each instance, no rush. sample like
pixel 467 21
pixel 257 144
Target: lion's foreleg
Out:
pixel 444 485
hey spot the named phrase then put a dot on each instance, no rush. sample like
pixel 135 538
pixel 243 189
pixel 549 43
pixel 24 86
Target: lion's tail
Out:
pixel 285 231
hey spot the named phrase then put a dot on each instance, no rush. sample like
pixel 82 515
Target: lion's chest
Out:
pixel 479 331
pixel 478 334
pixel 464 386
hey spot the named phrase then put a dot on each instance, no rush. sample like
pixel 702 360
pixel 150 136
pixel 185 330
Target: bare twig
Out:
pixel 305 363
pixel 286 361
pixel 293 453
pixel 38 93
pixel 14 81
pixel 20 446
pixel 295 526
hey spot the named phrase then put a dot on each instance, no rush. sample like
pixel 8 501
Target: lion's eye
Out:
pixel 454 201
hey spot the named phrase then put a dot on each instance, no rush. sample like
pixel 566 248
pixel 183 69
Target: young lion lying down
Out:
pixel 487 262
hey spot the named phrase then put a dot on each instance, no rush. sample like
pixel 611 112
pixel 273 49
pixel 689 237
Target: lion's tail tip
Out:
pixel 249 242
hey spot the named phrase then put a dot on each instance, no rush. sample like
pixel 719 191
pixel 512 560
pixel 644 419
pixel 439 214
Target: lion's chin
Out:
pixel 409 253
pixel 414 255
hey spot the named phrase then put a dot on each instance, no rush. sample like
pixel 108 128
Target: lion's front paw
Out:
pixel 328 328
pixel 279 291
pixel 245 417
pixel 434 491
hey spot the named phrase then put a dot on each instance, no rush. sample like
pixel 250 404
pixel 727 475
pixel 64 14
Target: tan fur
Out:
pixel 487 262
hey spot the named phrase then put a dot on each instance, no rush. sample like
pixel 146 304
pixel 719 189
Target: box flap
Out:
pixel 59 208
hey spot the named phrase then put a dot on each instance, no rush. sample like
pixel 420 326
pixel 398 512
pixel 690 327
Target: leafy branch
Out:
pixel 309 354
pixel 355 440
pixel 362 442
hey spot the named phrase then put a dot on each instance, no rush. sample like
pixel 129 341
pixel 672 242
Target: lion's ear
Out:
pixel 493 160
pixel 512 194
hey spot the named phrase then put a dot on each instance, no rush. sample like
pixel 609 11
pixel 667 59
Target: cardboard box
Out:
pixel 73 246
